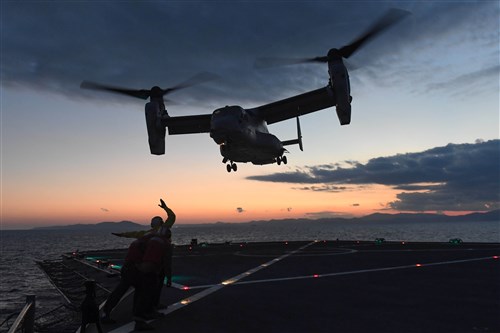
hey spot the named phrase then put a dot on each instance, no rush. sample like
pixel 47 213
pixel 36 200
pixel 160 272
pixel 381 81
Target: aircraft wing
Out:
pixel 189 124
pixel 292 107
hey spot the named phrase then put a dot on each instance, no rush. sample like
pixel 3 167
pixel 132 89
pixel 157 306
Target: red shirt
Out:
pixel 137 248
pixel 156 249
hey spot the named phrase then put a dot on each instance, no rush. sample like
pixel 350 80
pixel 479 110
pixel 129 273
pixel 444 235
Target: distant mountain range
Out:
pixel 104 226
pixel 372 218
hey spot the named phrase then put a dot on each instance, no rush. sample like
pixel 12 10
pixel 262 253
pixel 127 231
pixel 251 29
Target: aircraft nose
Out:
pixel 218 136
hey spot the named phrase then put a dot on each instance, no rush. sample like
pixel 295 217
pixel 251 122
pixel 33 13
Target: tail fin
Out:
pixel 296 141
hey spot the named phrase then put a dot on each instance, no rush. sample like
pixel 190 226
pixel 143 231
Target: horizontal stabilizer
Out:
pixel 297 141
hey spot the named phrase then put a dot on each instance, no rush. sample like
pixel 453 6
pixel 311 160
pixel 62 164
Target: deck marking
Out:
pixel 176 306
pixel 320 253
pixel 419 266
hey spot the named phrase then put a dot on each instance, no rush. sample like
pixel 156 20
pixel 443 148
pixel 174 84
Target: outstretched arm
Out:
pixel 131 234
pixel 169 222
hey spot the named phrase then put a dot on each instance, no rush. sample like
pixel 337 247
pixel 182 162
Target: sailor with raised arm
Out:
pixel 156 223
pixel 134 257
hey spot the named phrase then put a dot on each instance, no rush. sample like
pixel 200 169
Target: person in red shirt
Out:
pixel 154 262
pixel 129 272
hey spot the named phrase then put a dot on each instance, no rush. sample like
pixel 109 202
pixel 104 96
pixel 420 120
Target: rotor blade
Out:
pixel 391 17
pixel 196 79
pixel 269 62
pixel 142 94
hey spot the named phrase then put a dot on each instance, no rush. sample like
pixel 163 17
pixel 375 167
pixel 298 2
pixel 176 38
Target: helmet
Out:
pixel 156 222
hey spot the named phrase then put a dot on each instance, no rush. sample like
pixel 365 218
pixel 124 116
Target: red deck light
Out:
pixel 185 288
pixel 495 257
pixel 316 276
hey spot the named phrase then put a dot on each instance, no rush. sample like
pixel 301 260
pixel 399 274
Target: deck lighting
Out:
pixel 455 241
pixel 225 283
pixel 185 288
pixel 418 265
pixel 379 241
pixel 185 301
pixel 316 276
pixel 495 257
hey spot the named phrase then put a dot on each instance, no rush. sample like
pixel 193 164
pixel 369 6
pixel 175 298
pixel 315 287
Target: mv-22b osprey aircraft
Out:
pixel 242 134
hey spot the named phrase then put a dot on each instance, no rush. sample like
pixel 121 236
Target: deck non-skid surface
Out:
pixel 329 286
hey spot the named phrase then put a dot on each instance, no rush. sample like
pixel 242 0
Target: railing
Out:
pixel 26 319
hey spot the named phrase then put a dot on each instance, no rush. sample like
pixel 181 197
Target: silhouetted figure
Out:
pixel 148 289
pixel 90 310
pixel 129 272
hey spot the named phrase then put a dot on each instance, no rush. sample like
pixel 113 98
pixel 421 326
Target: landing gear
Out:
pixel 281 159
pixel 231 166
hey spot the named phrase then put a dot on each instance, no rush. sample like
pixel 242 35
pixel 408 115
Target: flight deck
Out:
pixel 314 286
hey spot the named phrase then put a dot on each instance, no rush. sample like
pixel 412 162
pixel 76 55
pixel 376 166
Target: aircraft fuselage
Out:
pixel 243 136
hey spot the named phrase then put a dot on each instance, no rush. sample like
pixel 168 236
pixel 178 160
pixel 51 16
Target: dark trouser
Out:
pixel 146 287
pixel 159 286
pixel 129 275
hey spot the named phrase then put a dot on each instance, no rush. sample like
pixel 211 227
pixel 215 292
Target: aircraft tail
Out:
pixel 297 141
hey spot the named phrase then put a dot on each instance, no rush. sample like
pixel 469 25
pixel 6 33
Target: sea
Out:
pixel 20 276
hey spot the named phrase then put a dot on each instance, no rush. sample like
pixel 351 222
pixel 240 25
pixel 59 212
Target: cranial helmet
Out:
pixel 156 222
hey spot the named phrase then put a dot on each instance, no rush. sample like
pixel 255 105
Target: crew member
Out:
pixel 134 256
pixel 153 262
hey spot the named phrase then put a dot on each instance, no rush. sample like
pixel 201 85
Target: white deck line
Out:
pixel 418 266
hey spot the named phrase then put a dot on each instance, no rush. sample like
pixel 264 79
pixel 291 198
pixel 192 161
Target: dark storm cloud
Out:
pixel 467 83
pixel 56 45
pixel 453 177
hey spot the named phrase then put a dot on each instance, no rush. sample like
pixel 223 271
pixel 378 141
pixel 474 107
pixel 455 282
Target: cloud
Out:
pixel 465 84
pixel 56 45
pixel 456 177
pixel 240 210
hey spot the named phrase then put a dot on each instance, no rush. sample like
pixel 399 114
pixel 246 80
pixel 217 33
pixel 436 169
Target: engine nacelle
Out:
pixel 342 88
pixel 156 131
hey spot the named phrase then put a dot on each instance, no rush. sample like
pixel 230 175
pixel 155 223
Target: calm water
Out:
pixel 20 276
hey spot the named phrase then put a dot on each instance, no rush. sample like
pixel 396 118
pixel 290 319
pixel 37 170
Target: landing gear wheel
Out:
pixel 231 167
pixel 278 160
pixel 284 159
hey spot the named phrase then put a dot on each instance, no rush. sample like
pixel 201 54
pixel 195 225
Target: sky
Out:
pixel 424 135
